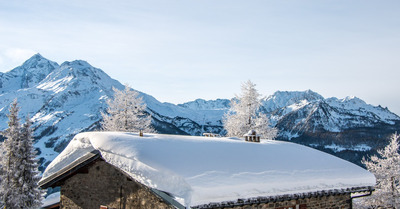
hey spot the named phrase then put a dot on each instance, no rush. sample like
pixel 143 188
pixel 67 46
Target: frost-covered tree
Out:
pixel 126 112
pixel 31 195
pixel 20 176
pixel 245 114
pixel 263 128
pixel 386 169
pixel 9 159
pixel 1 174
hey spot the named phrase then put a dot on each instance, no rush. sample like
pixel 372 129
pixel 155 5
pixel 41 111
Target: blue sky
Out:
pixel 178 51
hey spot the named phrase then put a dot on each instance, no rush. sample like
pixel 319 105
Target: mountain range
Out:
pixel 67 99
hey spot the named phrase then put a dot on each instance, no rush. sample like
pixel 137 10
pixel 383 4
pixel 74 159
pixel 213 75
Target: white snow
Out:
pixel 296 106
pixel 336 114
pixel 358 107
pixel 201 170
pixel 337 148
pixel 57 85
pixel 66 99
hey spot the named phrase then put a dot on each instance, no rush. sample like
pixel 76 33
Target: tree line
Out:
pixel 127 112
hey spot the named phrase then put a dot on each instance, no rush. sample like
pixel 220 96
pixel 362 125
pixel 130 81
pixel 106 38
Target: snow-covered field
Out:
pixel 200 170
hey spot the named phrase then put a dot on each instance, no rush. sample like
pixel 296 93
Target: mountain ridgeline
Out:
pixel 67 99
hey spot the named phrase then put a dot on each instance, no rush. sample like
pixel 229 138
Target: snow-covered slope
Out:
pixel 202 170
pixel 66 99
pixel 349 128
pixel 299 112
pixel 201 104
pixel 62 100
pixel 296 112
pixel 292 100
pixel 29 74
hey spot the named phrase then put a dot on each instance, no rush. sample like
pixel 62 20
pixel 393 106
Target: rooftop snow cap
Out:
pixel 199 170
pixel 251 133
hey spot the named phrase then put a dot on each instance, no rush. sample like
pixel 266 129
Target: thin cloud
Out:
pixel 13 57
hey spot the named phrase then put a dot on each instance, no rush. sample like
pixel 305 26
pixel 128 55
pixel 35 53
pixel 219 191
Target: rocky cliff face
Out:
pixel 66 99
pixel 348 128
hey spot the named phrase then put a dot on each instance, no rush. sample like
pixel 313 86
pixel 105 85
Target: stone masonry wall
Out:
pixel 340 201
pixel 103 184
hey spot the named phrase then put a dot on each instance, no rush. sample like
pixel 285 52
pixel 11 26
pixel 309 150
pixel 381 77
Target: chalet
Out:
pixel 252 136
pixel 126 170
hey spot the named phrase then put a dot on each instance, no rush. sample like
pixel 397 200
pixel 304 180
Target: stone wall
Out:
pixel 102 184
pixel 340 201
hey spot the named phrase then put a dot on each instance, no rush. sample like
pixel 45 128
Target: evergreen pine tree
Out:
pixel 245 114
pixel 262 126
pixel 126 112
pixel 10 159
pixel 19 185
pixel 1 174
pixel 30 193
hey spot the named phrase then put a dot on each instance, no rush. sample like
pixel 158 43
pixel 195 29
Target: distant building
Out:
pixel 211 135
pixel 252 136
pixel 124 170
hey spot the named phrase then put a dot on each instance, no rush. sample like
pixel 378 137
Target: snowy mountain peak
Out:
pixel 80 76
pixel 66 99
pixel 353 100
pixel 30 73
pixel 38 62
pixel 33 60
pixel 201 104
pixel 332 115
pixel 81 68
pixel 78 68
pixel 82 64
pixel 282 99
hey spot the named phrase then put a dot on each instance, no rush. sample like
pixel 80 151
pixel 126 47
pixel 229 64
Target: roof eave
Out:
pixel 286 197
pixel 68 170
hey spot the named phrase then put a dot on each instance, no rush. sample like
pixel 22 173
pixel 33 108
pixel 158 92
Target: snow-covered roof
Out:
pixel 199 170
pixel 251 133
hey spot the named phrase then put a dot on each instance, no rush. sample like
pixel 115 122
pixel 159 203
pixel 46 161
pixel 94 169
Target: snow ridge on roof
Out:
pixel 202 170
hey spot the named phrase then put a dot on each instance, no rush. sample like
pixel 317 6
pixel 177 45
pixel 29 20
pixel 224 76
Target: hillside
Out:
pixel 66 99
